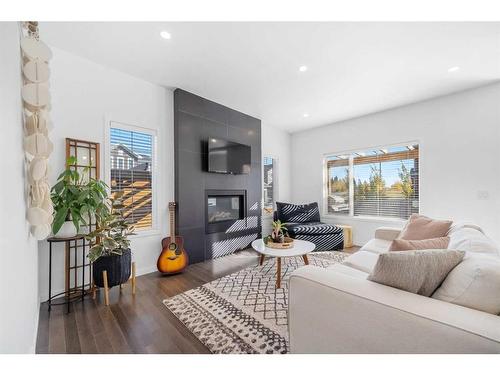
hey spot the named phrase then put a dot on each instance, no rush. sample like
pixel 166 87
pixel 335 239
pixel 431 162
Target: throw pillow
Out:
pixel 416 271
pixel 421 227
pixel 298 213
pixel 431 243
pixel 474 283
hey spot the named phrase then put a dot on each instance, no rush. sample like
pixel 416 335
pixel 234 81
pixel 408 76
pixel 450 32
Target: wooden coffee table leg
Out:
pixel 278 272
pixel 261 260
pixel 306 261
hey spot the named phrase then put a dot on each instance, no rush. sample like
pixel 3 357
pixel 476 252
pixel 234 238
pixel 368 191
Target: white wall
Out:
pixel 459 138
pixel 83 95
pixel 277 143
pixel 18 250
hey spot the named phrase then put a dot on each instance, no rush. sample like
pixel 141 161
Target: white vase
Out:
pixel 67 230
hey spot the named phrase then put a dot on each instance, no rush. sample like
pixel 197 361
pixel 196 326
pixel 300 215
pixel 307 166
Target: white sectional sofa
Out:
pixel 337 310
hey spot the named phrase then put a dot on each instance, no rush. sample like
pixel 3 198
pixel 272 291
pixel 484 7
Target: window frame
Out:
pixel 128 126
pixel 350 216
pixel 275 182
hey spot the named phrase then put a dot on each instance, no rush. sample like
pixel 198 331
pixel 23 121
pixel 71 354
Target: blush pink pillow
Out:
pixel 431 243
pixel 421 227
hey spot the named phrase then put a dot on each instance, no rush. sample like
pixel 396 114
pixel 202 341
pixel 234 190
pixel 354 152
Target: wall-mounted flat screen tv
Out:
pixel 228 157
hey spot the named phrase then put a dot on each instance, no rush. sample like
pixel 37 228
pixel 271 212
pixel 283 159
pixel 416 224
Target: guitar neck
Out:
pixel 172 222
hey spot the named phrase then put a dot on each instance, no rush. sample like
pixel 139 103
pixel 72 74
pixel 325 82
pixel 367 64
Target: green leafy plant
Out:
pixel 111 235
pixel 278 233
pixel 76 197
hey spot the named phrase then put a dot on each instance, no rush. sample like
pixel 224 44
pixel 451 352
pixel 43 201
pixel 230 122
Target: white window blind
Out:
pixel 381 182
pixel 135 177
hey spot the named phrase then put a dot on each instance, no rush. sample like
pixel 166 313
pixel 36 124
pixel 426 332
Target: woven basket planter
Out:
pixel 118 268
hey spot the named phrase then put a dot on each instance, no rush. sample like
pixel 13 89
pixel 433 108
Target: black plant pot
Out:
pixel 116 266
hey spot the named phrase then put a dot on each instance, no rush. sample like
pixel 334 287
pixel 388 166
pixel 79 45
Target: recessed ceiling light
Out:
pixel 303 68
pixel 165 35
pixel 454 69
pixel 305 115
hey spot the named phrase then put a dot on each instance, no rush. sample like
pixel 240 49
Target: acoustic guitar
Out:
pixel 173 258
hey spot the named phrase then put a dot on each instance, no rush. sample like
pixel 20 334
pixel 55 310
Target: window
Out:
pixel 381 182
pixel 270 183
pixel 137 183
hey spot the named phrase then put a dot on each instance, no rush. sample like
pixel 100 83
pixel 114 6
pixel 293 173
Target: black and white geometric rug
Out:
pixel 244 312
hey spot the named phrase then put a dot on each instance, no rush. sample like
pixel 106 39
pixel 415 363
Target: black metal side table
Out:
pixel 76 292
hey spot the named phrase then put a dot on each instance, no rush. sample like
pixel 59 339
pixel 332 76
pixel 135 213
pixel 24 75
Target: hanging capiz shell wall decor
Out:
pixel 37 124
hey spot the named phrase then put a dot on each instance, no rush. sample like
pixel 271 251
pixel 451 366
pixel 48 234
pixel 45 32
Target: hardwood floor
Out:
pixel 134 324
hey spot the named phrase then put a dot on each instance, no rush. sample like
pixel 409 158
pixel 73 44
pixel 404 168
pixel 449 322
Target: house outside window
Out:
pixel 270 183
pixel 120 163
pixel 132 149
pixel 378 182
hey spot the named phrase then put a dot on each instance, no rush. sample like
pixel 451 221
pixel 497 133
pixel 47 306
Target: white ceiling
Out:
pixel 353 68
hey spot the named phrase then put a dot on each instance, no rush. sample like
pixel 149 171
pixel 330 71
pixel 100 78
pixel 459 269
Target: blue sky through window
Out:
pixel 140 143
pixel 363 172
pixel 390 170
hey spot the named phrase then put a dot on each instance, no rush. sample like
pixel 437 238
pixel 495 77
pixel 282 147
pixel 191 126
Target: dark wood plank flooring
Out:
pixel 134 324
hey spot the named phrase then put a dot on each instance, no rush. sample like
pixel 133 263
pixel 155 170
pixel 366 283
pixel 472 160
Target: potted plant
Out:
pixel 109 244
pixel 75 200
pixel 279 237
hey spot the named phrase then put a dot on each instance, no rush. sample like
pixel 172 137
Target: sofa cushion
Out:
pixel 346 270
pixel 431 243
pixel 421 227
pixel 377 246
pixel 323 242
pixel 474 283
pixel 297 213
pixel 415 271
pixel 387 233
pixel 362 260
pixel 471 239
pixel 313 228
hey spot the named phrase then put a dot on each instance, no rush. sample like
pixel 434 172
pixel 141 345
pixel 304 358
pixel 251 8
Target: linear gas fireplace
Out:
pixel 223 208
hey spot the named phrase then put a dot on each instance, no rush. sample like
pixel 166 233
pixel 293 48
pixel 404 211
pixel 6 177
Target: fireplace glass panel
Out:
pixel 223 208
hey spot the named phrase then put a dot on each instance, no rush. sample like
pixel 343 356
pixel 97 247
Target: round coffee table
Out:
pixel 300 248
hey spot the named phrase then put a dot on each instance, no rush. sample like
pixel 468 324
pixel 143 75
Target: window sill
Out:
pixel 373 219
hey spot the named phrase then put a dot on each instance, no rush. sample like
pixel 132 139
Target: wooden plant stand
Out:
pixel 106 288
pixel 77 291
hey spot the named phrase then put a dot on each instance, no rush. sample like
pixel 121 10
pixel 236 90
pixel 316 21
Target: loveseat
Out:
pixel 337 310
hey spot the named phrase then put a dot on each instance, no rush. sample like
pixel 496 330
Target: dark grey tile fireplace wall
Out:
pixel 196 119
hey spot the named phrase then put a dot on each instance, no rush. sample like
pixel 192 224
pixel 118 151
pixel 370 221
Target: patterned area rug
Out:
pixel 244 312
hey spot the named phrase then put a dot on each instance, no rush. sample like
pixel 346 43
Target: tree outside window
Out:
pixel 384 182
